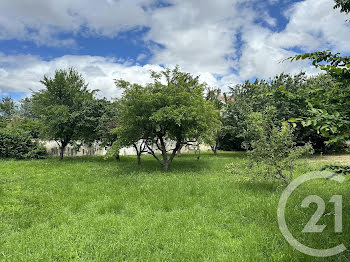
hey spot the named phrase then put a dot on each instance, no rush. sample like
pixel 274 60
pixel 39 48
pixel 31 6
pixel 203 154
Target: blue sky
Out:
pixel 223 41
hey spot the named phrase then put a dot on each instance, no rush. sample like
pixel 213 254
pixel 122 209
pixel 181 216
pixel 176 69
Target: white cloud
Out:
pixel 313 24
pixel 23 73
pixel 200 36
pixel 42 20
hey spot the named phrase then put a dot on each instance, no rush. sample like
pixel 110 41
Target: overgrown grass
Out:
pixel 90 209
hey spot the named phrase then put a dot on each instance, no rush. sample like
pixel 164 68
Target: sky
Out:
pixel 225 42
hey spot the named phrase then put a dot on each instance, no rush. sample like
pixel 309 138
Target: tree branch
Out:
pixel 150 151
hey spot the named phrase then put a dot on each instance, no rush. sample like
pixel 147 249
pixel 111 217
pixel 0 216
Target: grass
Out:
pixel 90 209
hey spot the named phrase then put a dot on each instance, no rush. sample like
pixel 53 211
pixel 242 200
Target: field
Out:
pixel 91 209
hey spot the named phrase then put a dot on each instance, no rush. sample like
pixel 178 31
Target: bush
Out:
pixel 272 148
pixel 19 144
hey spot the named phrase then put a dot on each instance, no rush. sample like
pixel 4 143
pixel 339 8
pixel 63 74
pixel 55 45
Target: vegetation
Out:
pixel 18 144
pixel 290 95
pixel 165 116
pixel 273 147
pixel 330 113
pixel 90 209
pixel 67 109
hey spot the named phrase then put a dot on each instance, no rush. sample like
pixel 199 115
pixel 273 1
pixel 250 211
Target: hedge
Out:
pixel 19 144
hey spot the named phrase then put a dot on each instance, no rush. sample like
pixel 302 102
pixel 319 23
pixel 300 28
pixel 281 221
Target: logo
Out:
pixel 311 226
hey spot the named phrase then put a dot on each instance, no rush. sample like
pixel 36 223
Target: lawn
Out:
pixel 91 209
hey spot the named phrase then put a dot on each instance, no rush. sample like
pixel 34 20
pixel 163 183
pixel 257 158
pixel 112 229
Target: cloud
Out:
pixel 224 41
pixel 228 39
pixel 23 73
pixel 198 35
pixel 313 24
pixel 42 21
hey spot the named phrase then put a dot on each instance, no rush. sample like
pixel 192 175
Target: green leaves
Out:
pixel 273 146
pixel 172 108
pixel 18 144
pixel 67 109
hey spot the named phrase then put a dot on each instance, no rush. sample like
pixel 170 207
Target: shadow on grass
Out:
pixel 187 163
pixel 261 186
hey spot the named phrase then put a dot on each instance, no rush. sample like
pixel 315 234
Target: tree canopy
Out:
pixel 166 114
pixel 67 108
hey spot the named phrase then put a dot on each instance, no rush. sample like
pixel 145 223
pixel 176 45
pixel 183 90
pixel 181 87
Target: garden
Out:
pixel 265 139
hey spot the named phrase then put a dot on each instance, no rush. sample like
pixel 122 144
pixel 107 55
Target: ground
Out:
pixel 91 209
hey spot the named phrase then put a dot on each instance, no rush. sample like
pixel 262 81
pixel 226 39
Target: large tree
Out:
pixel 330 112
pixel 166 114
pixel 67 108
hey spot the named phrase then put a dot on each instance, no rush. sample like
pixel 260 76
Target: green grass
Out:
pixel 90 209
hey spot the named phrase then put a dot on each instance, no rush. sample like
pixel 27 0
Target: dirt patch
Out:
pixel 336 159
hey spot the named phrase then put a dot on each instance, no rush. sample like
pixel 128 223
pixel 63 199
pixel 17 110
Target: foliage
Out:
pixel 19 144
pixel 214 96
pixel 26 108
pixel 331 110
pixel 344 5
pixel 288 94
pixel 273 146
pixel 107 122
pixel 338 169
pixel 165 114
pixel 67 109
pixel 8 108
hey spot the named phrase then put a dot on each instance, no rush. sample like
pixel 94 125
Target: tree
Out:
pixel 330 113
pixel 166 114
pixel 66 108
pixel 8 108
pixel 19 144
pixel 214 96
pixel 288 94
pixel 131 129
pixel 344 5
pixel 273 146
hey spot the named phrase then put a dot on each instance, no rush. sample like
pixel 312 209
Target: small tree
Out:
pixel 66 108
pixel 166 114
pixel 214 96
pixel 19 144
pixel 273 146
pixel 8 109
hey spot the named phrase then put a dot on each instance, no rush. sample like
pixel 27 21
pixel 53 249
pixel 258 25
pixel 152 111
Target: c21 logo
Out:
pixel 312 226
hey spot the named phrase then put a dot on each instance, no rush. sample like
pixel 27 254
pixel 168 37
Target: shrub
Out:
pixel 19 144
pixel 272 148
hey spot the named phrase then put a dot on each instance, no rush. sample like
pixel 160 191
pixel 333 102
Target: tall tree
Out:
pixel 167 114
pixel 214 96
pixel 330 112
pixel 66 107
pixel 8 108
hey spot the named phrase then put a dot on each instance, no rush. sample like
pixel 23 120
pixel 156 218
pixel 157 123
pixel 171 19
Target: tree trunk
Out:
pixel 138 153
pixel 62 148
pixel 61 152
pixel 164 155
pixel 179 152
pixel 214 149
pixel 117 158
pixel 139 158
pixel 165 166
